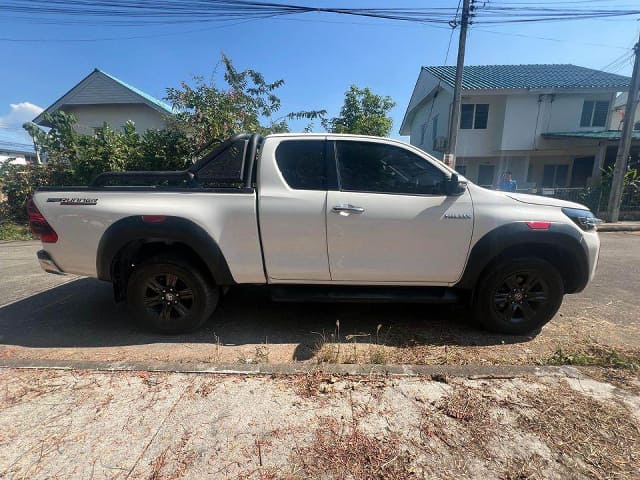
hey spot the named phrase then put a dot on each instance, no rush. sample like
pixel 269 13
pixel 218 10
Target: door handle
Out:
pixel 346 208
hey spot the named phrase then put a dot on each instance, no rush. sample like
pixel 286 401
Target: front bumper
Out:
pixel 591 242
pixel 47 263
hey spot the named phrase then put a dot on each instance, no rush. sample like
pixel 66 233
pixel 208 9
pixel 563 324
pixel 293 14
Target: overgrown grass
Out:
pixel 14 231
pixel 597 356
pixel 357 347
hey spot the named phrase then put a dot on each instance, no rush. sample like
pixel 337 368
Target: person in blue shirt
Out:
pixel 507 183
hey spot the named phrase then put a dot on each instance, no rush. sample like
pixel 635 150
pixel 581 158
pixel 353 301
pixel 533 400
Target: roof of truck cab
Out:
pixel 339 135
pixel 325 134
pixel 357 137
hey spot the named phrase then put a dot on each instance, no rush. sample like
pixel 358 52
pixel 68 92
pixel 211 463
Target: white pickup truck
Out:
pixel 317 217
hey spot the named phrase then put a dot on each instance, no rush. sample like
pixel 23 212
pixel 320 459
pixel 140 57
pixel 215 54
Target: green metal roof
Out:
pixel 599 135
pixel 153 100
pixel 489 77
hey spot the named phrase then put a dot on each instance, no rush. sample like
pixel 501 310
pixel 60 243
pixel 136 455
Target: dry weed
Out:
pixel 343 451
pixel 596 439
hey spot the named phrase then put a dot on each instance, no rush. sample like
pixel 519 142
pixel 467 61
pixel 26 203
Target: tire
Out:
pixel 518 296
pixel 170 295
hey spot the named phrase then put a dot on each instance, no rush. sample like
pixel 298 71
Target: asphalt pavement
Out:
pixel 43 316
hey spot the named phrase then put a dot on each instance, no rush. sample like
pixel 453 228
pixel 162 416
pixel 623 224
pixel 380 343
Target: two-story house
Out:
pixel 100 98
pixel 546 124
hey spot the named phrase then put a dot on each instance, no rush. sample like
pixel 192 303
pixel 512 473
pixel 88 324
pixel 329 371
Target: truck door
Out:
pixel 390 219
pixel 292 192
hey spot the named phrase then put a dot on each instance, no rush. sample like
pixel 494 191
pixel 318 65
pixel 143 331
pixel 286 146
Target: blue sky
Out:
pixel 318 55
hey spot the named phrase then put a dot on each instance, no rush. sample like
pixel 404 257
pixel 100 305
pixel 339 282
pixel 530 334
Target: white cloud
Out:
pixel 19 113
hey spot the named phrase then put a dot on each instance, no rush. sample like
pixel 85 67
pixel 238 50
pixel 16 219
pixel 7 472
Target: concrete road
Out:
pixel 133 425
pixel 47 316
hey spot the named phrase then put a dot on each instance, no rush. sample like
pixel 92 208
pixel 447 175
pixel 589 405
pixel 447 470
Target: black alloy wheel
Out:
pixel 171 295
pixel 168 296
pixel 518 296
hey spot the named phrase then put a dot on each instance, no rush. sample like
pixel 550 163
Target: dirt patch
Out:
pixel 580 341
pixel 344 451
pixel 594 438
pixel 57 424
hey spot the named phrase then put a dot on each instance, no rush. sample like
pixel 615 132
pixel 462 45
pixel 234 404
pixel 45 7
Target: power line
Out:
pixel 453 24
pixel 161 12
pixel 223 13
pixel 551 39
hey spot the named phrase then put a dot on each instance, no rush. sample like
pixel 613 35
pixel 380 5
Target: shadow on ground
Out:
pixel 83 314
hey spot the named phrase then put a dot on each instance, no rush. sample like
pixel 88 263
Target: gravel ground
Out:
pixel 90 425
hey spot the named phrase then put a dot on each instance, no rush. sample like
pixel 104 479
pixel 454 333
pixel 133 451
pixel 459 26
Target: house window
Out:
pixel 474 116
pixel 594 114
pixel 555 175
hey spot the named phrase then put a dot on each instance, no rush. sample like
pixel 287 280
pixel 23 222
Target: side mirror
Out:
pixel 453 186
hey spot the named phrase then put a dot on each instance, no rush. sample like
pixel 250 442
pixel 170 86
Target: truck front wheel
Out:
pixel 171 296
pixel 518 296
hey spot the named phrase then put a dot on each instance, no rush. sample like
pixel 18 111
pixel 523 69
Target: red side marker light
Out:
pixel 539 225
pixel 153 218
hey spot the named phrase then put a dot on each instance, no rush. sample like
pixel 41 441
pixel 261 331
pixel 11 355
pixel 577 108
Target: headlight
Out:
pixel 585 219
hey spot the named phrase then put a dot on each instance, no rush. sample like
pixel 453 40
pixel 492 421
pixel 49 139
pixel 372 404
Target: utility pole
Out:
pixel 450 156
pixel 617 184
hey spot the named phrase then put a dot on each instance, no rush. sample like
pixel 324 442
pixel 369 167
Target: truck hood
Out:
pixel 542 200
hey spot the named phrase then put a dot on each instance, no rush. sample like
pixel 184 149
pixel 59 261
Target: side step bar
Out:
pixel 364 294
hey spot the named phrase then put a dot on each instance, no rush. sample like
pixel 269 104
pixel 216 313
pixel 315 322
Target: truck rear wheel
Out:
pixel 171 296
pixel 518 296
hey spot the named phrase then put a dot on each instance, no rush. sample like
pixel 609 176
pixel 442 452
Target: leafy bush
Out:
pixel 597 198
pixel 14 231
pixel 17 182
pixel 76 159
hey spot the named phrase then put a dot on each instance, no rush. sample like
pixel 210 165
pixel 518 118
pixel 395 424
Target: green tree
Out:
pixel 86 156
pixel 17 182
pixel 61 142
pixel 363 113
pixel 246 103
pixel 204 113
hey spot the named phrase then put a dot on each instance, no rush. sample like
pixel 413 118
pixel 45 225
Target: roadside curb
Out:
pixel 619 228
pixel 468 371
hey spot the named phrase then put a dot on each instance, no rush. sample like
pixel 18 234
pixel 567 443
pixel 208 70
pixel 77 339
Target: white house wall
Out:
pixel 425 114
pixel 13 158
pixel 92 116
pixel 615 120
pixel 520 115
pixel 566 111
pixel 528 116
pixel 424 85
pixel 483 142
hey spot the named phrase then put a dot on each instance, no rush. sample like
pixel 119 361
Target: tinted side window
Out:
pixel 376 167
pixel 302 163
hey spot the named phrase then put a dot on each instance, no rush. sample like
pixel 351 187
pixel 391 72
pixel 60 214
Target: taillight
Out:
pixel 40 228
